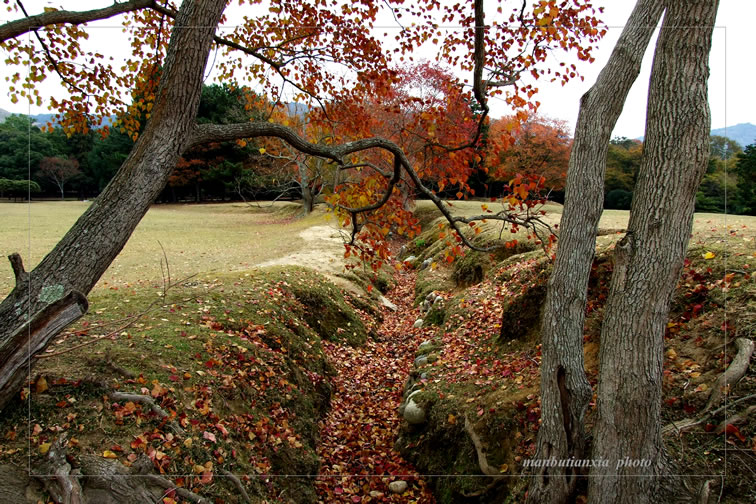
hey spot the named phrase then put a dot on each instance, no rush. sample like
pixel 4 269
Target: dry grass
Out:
pixel 197 238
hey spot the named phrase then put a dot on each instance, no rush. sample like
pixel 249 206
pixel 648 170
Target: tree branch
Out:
pixel 18 268
pixel 15 28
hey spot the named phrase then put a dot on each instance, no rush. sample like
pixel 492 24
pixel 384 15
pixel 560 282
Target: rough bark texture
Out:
pixel 86 251
pixel 648 261
pixel 565 390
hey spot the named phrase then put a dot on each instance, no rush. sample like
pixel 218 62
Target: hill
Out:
pixel 744 133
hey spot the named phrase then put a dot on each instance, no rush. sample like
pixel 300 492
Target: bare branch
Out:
pixel 18 268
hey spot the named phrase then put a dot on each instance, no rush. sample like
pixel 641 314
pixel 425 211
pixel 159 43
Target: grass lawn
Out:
pixel 197 238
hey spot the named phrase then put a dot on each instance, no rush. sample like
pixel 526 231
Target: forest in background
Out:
pixel 80 166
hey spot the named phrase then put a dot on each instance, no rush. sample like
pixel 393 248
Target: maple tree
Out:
pixel 538 146
pixel 166 69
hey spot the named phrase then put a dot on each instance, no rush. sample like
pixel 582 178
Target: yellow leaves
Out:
pixel 41 385
pixel 44 448
pixel 109 454
pixel 709 255
pixel 262 150
pixel 503 468
pixel 452 419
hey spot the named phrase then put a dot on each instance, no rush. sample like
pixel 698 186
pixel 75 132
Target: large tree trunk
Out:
pixel 86 251
pixel 565 391
pixel 648 261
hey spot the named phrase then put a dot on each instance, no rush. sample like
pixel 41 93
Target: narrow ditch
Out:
pixel 356 451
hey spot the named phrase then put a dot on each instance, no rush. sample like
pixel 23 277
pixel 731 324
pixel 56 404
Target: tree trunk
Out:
pixel 648 262
pixel 304 183
pixel 565 391
pixel 86 251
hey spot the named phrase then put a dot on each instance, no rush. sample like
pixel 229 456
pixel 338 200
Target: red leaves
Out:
pixel 358 434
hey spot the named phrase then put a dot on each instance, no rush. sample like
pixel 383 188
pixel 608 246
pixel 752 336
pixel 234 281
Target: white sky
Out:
pixel 731 95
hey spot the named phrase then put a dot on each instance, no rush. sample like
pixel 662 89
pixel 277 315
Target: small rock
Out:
pixel 430 297
pixel 375 494
pixel 418 323
pixel 425 346
pixel 402 250
pixel 388 304
pixel 438 300
pixel 426 263
pixel 410 259
pixel 426 306
pixel 421 361
pixel 424 376
pixel 414 414
pixel 398 487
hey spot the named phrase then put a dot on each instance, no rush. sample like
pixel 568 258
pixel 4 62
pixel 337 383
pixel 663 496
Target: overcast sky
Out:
pixel 731 83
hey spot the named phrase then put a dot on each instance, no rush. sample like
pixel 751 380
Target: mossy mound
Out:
pixel 237 363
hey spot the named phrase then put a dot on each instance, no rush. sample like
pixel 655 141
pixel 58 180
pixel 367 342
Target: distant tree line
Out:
pixel 45 162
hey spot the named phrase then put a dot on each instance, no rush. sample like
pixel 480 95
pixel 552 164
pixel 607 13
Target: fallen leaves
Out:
pixel 357 437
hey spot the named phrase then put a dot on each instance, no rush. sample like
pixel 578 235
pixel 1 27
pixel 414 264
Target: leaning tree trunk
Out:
pixel 565 391
pixel 648 261
pixel 86 251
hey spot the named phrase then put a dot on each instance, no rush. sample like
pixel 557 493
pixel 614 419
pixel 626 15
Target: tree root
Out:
pixel 149 402
pixel 104 481
pixel 238 484
pixel 688 423
pixel 735 419
pixel 59 480
pixel 734 372
pixel 482 460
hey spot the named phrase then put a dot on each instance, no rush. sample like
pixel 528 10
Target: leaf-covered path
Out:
pixel 358 461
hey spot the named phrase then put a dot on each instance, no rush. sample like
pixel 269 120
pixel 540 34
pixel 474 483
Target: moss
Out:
pixel 51 293
pixel 435 316
pixel 443 446
pixel 470 269
pixel 325 309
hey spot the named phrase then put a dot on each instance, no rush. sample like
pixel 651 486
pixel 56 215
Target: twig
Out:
pixel 167 267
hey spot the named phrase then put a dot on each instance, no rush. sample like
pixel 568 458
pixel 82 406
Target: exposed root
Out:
pixel 738 419
pixel 148 401
pixel 734 372
pixel 57 477
pixel 688 423
pixel 238 484
pixel 482 460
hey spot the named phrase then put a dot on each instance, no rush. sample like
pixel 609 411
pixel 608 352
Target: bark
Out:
pixel 648 261
pixel 565 390
pixel 304 182
pixel 86 251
